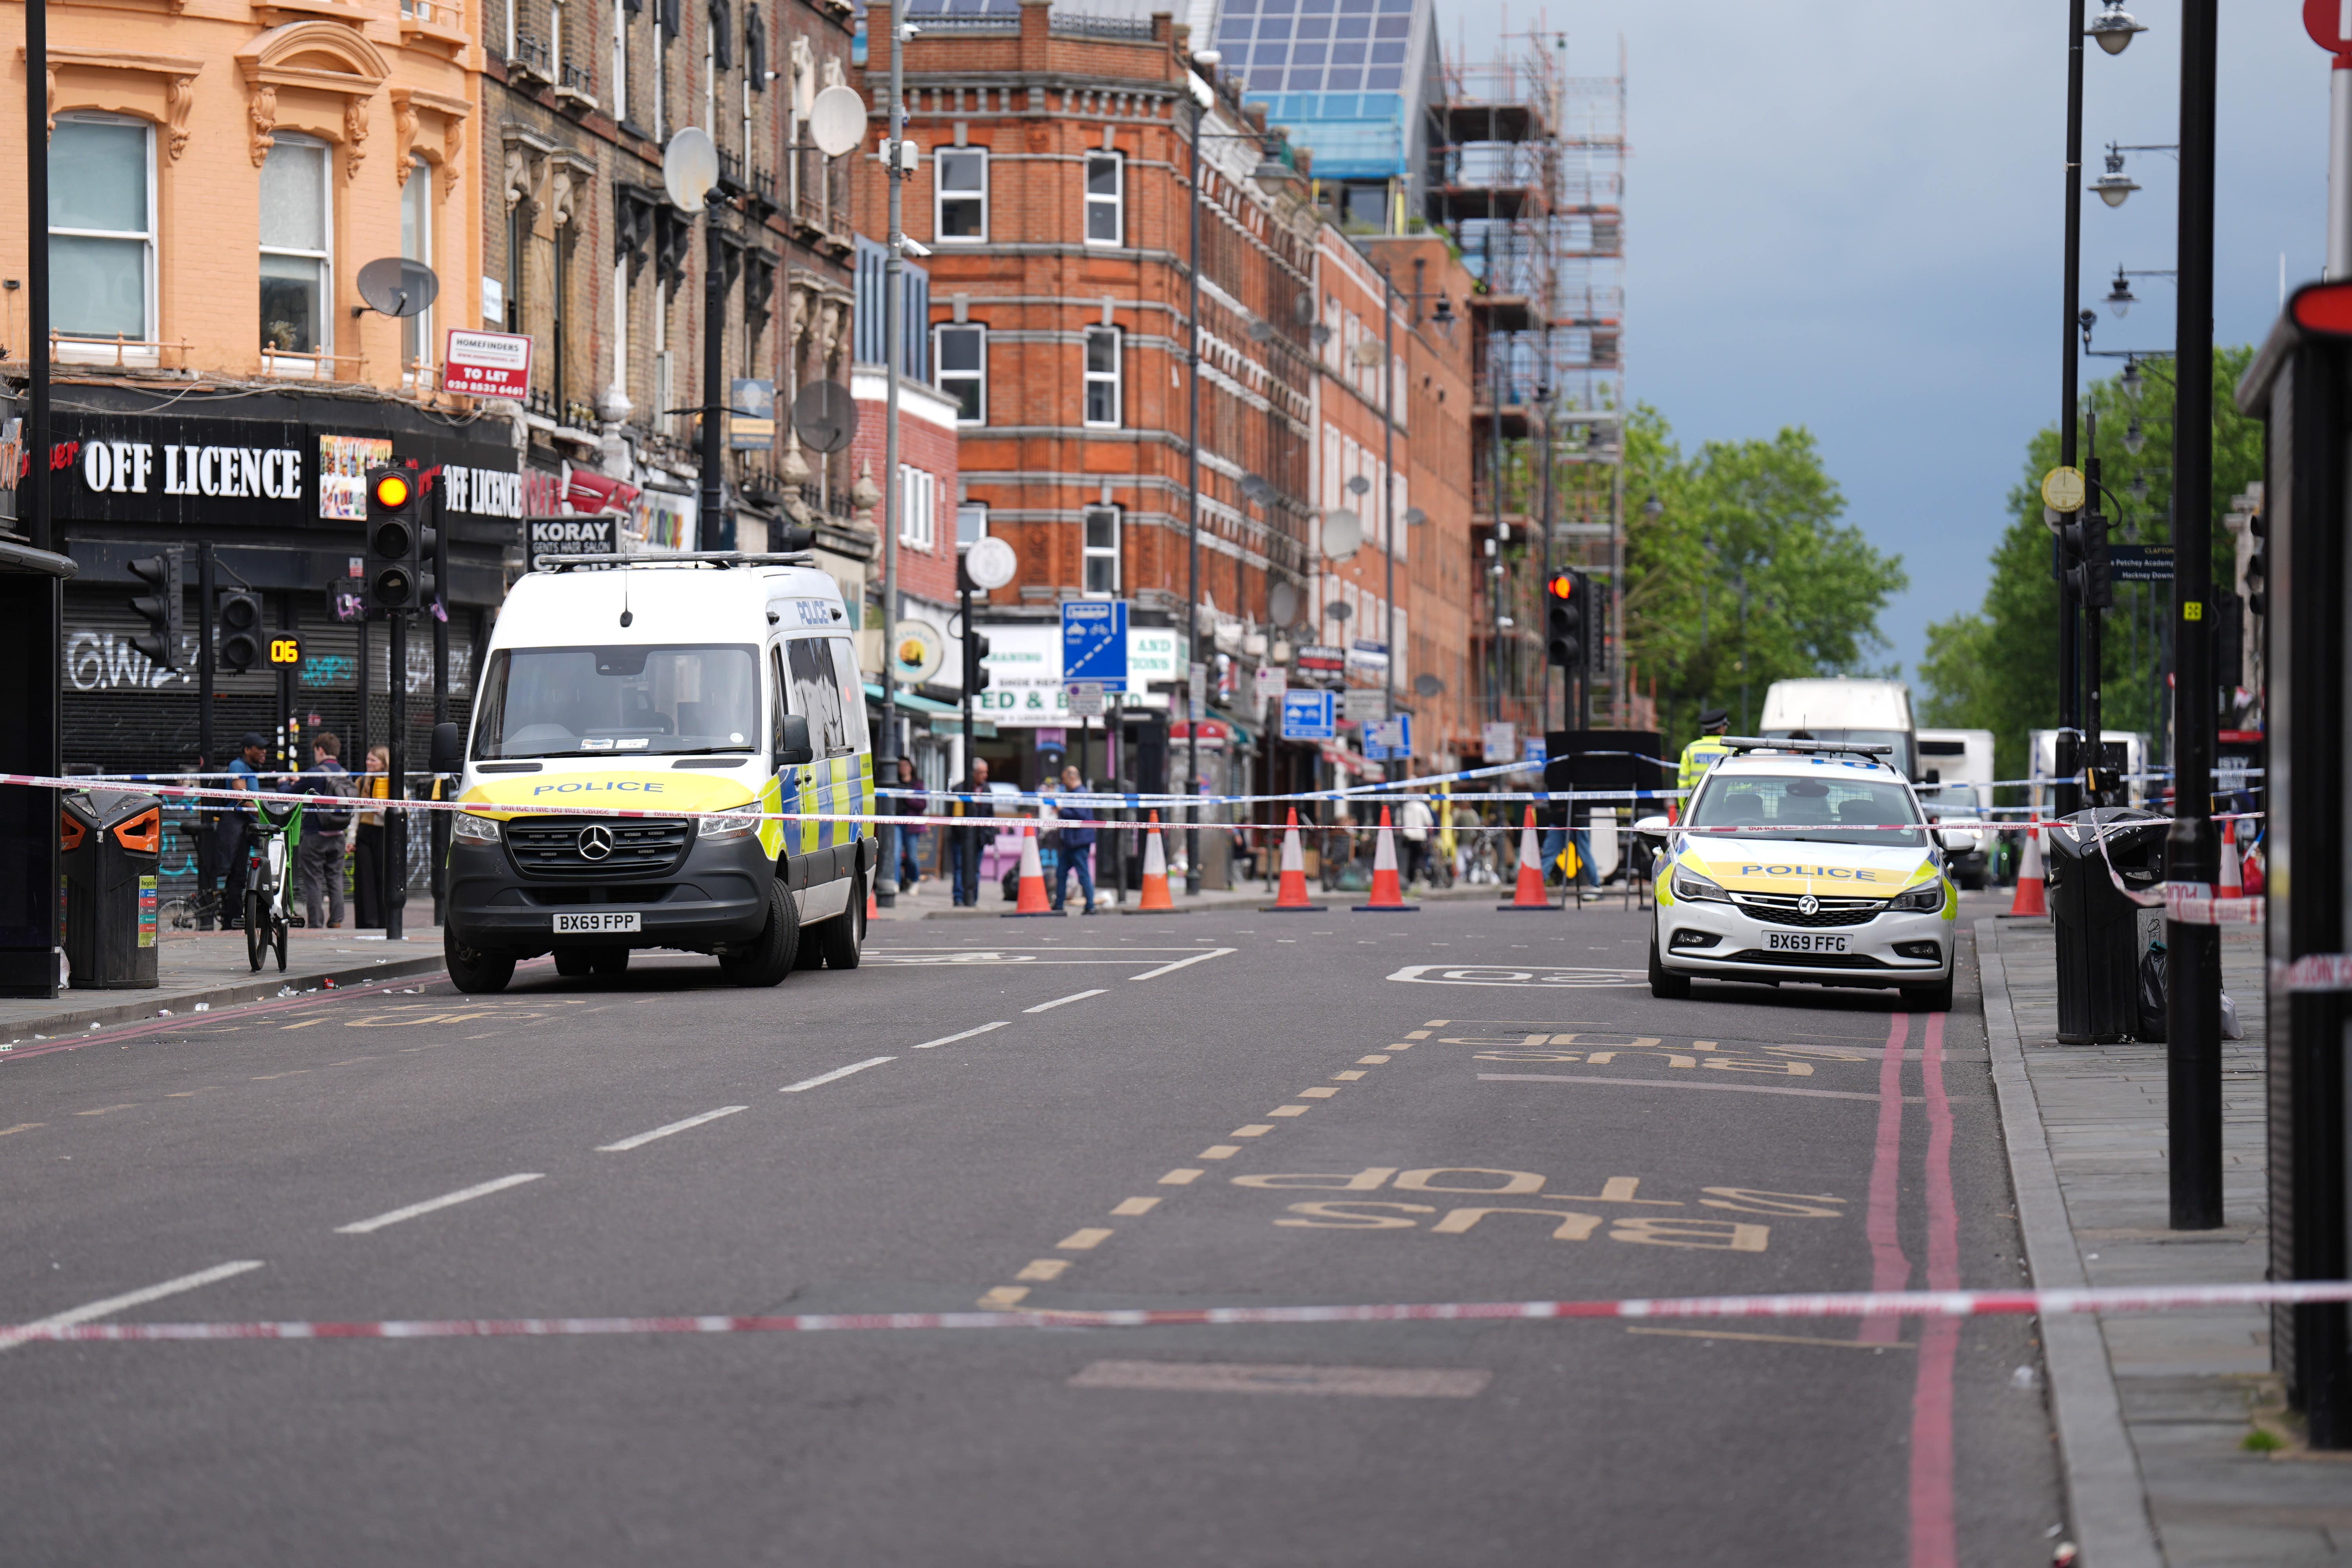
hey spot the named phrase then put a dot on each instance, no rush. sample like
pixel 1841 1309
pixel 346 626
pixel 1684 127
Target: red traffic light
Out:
pixel 1562 585
pixel 392 490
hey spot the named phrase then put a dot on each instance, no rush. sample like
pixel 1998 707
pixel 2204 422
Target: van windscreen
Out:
pixel 628 698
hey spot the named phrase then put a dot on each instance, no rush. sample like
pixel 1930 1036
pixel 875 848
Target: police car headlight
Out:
pixel 1927 900
pixel 717 830
pixel 1689 885
pixel 470 829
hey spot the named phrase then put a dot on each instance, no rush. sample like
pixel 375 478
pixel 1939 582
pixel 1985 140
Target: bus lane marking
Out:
pixel 1675 1083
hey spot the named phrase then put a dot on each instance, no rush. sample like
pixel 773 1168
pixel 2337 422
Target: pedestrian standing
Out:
pixel 369 915
pixel 1077 833
pixel 964 843
pixel 320 860
pixel 236 825
pixel 1418 819
pixel 906 803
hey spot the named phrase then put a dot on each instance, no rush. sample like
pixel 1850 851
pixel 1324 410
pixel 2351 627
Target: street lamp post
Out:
pixel 894 328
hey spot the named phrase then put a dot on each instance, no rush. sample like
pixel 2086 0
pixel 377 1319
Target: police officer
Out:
pixel 1706 750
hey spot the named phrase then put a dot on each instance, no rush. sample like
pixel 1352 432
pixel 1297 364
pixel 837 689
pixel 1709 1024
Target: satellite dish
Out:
pixel 1261 329
pixel 837 120
pixel 1428 685
pixel 1302 309
pixel 1414 517
pixel 1343 534
pixel 690 168
pixel 918 652
pixel 1340 610
pixel 990 563
pixel 1282 603
pixel 824 414
pixel 1256 490
pixel 396 285
pixel 1318 334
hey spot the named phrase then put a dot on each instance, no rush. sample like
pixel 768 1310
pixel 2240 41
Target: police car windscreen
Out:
pixel 1819 810
pixel 627 700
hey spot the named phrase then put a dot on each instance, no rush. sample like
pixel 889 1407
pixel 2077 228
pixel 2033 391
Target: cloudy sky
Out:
pixel 1846 214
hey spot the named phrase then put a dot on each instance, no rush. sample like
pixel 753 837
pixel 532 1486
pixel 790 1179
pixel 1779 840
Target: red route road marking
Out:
pixel 1889 1268
pixel 1935 1541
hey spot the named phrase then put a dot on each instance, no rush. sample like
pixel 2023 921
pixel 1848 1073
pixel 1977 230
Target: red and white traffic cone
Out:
pixel 1388 891
pixel 1293 895
pixel 1530 894
pixel 1155 873
pixel 2031 901
pixel 1031 900
pixel 2232 884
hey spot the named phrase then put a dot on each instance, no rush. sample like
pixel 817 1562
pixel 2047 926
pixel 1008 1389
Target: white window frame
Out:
pixel 145 357
pixel 975 513
pixel 1089 553
pixel 941 196
pixel 319 361
pixel 1115 203
pixel 918 512
pixel 420 175
pixel 1091 378
pixel 940 375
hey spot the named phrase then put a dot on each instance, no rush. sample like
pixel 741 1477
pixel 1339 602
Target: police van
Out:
pixel 687 684
pixel 1812 861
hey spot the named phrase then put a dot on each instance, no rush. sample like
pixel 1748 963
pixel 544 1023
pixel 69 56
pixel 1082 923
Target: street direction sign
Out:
pixel 2063 490
pixel 1093 642
pixel 2140 563
pixel 1365 704
pixel 1391 737
pixel 1307 715
pixel 1500 742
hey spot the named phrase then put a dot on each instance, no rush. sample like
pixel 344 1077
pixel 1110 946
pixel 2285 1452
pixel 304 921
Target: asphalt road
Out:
pixel 1453 1105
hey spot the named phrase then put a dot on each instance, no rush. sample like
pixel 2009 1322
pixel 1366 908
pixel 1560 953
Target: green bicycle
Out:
pixel 269 883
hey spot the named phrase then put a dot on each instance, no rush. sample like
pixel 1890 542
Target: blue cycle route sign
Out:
pixel 1307 715
pixel 1093 642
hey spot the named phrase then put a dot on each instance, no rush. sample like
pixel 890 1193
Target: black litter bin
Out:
pixel 2099 943
pixel 110 844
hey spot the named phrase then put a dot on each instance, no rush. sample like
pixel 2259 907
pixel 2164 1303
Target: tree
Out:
pixel 1997 668
pixel 1762 515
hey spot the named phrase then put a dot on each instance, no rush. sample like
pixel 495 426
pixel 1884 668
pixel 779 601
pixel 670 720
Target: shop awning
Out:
pixel 911 702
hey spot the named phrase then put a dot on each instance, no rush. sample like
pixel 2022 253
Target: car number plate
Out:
pixel 1792 941
pixel 598 924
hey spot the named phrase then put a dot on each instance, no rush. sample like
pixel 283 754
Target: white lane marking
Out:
pixel 464 1194
pixel 1169 968
pixel 1683 1083
pixel 626 1144
pixel 968 1034
pixel 125 1302
pixel 1060 1001
pixel 824 1078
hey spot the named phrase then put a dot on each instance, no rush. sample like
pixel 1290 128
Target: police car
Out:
pixel 1810 861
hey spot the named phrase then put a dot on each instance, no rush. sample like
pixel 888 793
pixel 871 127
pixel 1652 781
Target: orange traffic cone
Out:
pixel 1155 873
pixel 2232 884
pixel 1530 894
pixel 1292 896
pixel 2031 900
pixel 1388 891
pixel 1031 900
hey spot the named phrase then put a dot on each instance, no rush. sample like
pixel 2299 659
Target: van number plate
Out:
pixel 598 924
pixel 1775 941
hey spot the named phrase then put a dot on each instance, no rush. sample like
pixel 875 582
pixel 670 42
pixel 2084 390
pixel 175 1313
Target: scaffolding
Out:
pixel 1526 176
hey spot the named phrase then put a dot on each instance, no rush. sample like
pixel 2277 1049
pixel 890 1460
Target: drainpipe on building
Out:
pixel 894 327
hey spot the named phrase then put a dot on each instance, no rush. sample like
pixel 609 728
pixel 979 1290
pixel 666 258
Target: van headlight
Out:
pixel 1689 885
pixel 1922 900
pixel 718 829
pixel 468 828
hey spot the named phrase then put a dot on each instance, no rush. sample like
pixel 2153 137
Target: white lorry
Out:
pixel 1869 712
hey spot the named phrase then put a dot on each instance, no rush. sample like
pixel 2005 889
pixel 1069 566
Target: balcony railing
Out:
pixel 1128 27
pixel 577 81
pixel 940 22
pixel 121 351
pixel 532 57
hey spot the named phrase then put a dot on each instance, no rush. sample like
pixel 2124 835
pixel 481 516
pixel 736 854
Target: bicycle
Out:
pixel 268 888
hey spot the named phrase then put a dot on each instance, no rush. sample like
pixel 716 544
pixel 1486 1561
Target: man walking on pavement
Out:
pixel 319 861
pixel 964 843
pixel 1077 831
pixel 1412 833
pixel 1706 751
pixel 237 825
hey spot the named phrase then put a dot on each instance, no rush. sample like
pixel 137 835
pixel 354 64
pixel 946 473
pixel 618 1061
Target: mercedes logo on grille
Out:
pixel 1805 906
pixel 596 842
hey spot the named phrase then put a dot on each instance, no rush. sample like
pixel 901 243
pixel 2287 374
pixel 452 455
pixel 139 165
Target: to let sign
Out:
pixel 486 364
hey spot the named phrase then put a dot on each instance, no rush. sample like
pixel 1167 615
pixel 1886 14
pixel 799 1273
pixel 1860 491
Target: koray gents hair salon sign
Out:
pixel 213 473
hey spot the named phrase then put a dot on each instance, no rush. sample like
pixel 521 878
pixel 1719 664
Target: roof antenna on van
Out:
pixel 626 615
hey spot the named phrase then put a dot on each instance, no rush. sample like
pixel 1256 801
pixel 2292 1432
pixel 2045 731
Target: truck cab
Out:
pixel 661 692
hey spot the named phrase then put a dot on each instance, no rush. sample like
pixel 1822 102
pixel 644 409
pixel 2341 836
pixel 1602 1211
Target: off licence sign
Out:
pixel 486 364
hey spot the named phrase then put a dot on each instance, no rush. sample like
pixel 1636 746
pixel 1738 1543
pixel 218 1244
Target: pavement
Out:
pixel 2155 1411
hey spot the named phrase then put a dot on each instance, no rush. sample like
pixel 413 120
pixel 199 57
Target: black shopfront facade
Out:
pixel 272 480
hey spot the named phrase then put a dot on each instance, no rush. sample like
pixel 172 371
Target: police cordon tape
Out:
pixel 2184 903
pixel 1849 1304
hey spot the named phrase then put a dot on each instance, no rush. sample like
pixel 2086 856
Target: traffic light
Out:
pixel 976 663
pixel 1564 603
pixel 2092 572
pixel 240 631
pixel 161 607
pixel 401 545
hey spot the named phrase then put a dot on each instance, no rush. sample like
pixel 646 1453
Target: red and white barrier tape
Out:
pixel 1850 1304
pixel 2313 971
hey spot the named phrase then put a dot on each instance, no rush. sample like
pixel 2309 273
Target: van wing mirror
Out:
pixel 792 740
pixel 449 748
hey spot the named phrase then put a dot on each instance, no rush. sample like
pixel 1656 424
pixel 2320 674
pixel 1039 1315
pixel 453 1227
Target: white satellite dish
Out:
pixel 918 650
pixel 690 168
pixel 990 564
pixel 1282 603
pixel 837 120
pixel 1343 534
